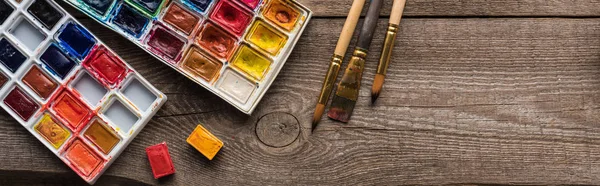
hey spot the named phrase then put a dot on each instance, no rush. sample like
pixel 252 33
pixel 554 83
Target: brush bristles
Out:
pixel 341 109
pixel 377 85
pixel 317 117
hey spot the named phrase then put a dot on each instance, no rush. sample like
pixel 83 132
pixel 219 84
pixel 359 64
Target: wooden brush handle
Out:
pixel 349 26
pixel 397 10
pixel 368 29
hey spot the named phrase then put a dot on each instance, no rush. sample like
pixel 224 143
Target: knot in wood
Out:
pixel 277 129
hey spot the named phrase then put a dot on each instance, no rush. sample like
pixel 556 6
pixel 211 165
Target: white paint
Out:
pixel 139 95
pixel 119 115
pixel 28 35
pixel 90 89
pixel 236 86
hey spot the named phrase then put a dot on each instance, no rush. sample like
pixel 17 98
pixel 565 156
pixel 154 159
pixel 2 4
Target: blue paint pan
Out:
pixel 76 40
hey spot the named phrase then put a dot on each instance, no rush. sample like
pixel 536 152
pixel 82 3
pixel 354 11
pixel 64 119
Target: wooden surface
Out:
pixel 479 92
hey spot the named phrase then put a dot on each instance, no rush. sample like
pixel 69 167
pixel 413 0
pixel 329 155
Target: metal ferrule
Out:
pixel 350 83
pixel 388 46
pixel 328 84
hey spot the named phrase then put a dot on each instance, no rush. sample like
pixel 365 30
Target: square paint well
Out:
pixel 58 62
pixel 102 136
pixel 100 7
pixel 231 16
pixel 216 40
pixel 10 56
pixel 149 7
pixel 139 95
pixel 39 82
pixel 51 130
pixel 47 14
pixel 105 65
pixel 266 37
pixel 251 62
pixel 71 110
pixel 120 116
pixel 89 89
pixel 160 160
pixel 165 42
pixel 22 104
pixel 236 86
pixel 201 65
pixel 282 13
pixel 5 11
pixel 76 40
pixel 180 18
pixel 27 34
pixel 83 159
pixel 205 142
pixel 130 20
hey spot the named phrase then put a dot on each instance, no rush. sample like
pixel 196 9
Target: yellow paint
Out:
pixel 266 37
pixel 205 142
pixel 251 62
pixel 52 131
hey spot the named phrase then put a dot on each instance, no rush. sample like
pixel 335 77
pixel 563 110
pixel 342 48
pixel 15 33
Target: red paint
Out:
pixel 250 3
pixel 83 159
pixel 106 66
pixel 160 160
pixel 165 42
pixel 72 110
pixel 21 104
pixel 232 17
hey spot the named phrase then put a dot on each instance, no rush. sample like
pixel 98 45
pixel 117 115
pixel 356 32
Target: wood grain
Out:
pixel 466 101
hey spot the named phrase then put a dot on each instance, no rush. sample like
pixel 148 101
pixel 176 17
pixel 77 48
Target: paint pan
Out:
pixel 130 21
pixel 216 41
pixel 5 10
pixel 45 12
pixel 204 39
pixel 251 62
pixel 38 81
pixel 266 37
pixel 201 65
pixel 231 16
pixel 100 8
pixel 11 57
pixel 67 88
pixel 180 18
pixel 236 85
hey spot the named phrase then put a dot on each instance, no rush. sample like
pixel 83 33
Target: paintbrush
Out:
pixel 346 95
pixel 388 46
pixel 336 60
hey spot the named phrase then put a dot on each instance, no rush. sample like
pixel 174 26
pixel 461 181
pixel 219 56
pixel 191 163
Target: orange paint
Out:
pixel 102 136
pixel 205 142
pixel 52 131
pixel 83 158
pixel 71 109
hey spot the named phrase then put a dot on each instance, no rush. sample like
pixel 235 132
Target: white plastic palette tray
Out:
pixel 68 89
pixel 240 78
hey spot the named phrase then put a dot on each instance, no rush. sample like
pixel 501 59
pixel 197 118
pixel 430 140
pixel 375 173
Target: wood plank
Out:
pixel 461 8
pixel 488 101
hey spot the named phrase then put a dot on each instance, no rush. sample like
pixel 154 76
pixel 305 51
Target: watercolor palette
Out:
pixel 68 89
pixel 234 48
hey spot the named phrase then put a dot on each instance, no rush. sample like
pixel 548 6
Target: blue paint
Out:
pixel 130 20
pixel 10 56
pixel 198 5
pixel 99 6
pixel 57 61
pixel 76 40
